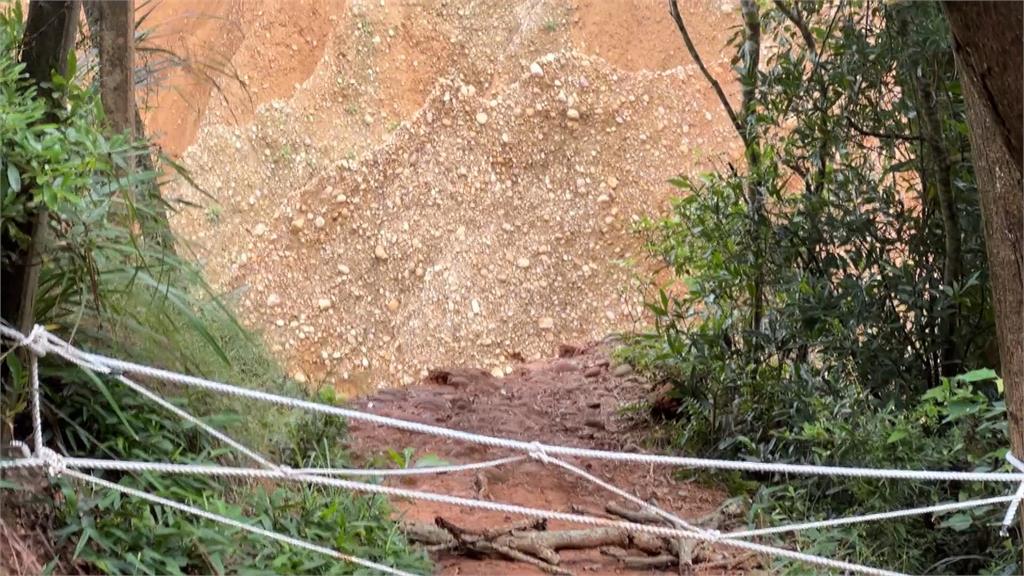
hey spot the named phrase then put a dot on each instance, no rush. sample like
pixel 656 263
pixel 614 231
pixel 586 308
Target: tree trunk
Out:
pixel 751 56
pixel 941 170
pixel 116 46
pixel 112 33
pixel 49 37
pixel 989 47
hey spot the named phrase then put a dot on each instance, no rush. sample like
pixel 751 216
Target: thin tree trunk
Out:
pixel 751 54
pixel 989 48
pixel 49 37
pixel 112 30
pixel 941 171
pixel 116 47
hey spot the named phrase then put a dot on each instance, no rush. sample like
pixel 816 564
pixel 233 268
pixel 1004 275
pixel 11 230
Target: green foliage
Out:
pixel 813 314
pixel 957 425
pixel 111 282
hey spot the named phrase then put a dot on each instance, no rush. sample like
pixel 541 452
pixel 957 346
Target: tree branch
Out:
pixel 673 9
pixel 794 16
pixel 881 135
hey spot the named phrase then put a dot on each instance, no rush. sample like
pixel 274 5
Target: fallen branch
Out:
pixel 532 543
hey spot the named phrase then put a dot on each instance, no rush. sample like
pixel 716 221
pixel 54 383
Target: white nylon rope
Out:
pixel 194 420
pixel 1011 511
pixel 135 466
pixel 672 518
pixel 55 464
pixel 407 471
pixel 115 365
pixel 936 509
pixel 235 523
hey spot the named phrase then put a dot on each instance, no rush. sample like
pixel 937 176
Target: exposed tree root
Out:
pixel 532 543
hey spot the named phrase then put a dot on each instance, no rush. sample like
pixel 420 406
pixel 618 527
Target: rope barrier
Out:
pixel 1011 511
pixel 256 473
pixel 39 342
pixel 409 471
pixel 235 523
pixel 114 366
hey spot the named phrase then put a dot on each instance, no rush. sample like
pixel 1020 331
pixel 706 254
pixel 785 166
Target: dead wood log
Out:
pixel 649 562
pixel 531 542
pixel 637 516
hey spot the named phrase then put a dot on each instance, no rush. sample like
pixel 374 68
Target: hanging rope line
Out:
pixel 39 342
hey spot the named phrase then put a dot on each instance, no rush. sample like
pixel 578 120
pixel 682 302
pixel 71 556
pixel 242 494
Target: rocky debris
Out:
pixel 460 232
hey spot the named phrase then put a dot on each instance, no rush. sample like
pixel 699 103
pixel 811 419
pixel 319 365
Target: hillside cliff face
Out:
pixel 401 186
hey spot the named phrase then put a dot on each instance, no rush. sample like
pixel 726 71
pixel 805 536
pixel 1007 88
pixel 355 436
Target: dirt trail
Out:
pixel 579 399
pixel 402 186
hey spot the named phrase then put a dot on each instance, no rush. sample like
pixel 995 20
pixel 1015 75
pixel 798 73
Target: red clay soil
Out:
pixel 578 399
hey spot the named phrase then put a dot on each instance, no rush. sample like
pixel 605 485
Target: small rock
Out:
pixel 368 119
pixel 592 372
pixel 260 229
pixel 481 118
pixel 613 182
pixel 475 305
pixel 343 269
pixel 546 323
pixel 393 304
pixel 572 114
pixel 323 303
pixel 536 70
pixel 523 262
pixel 563 365
pixel 622 370
pixel 595 423
pixel 379 253
pixel 298 224
pixel 299 377
pixel 319 222
pixel 273 300
pixel 498 372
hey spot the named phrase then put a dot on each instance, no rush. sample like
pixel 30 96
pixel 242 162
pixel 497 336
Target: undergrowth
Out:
pixel 111 283
pixel 818 307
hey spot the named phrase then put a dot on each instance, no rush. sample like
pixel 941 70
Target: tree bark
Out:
pixel 116 47
pixel 751 55
pixel 989 48
pixel 49 37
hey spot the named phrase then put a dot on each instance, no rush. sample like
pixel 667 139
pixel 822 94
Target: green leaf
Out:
pixel 896 436
pixel 959 408
pixel 14 178
pixel 958 522
pixel 978 375
pixel 429 461
pixel 110 400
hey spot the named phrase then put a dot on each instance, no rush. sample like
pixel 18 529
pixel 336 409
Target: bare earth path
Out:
pixel 577 399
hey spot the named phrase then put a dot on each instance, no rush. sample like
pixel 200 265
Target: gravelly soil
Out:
pixel 454 183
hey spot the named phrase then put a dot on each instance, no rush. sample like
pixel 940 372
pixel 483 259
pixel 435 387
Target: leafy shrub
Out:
pixel 817 307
